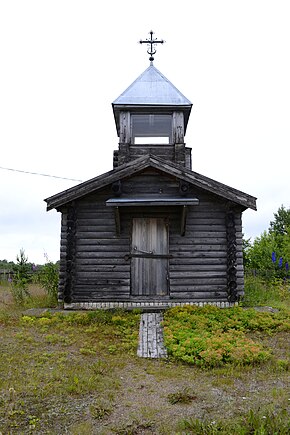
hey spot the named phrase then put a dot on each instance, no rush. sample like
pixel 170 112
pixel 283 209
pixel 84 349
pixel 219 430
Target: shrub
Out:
pixel 211 337
pixel 183 396
pixel 47 277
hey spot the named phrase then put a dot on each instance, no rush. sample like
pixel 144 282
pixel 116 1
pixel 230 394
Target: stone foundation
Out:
pixel 141 305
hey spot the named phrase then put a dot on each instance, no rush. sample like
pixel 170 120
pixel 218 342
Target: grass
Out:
pixel 260 292
pixel 182 396
pixel 260 423
pixel 78 373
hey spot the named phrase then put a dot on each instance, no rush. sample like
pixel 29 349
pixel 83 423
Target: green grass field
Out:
pixel 78 373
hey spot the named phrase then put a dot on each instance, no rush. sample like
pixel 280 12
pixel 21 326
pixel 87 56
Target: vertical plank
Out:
pixel 149 275
pixel 151 342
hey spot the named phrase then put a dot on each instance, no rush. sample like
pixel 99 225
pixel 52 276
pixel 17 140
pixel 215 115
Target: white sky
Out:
pixel 63 62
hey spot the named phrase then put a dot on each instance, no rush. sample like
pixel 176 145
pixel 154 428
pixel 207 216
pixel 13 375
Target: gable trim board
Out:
pixel 138 165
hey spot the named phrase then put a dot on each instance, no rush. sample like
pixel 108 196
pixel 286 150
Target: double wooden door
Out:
pixel 149 257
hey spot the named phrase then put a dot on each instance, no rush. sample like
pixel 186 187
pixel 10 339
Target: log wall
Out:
pixel 94 258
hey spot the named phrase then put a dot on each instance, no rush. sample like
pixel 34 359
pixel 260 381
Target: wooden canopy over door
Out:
pixel 149 254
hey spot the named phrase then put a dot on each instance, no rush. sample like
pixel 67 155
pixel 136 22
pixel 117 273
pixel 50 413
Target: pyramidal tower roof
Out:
pixel 152 88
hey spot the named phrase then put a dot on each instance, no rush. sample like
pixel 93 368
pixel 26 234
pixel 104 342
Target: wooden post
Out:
pixel 70 254
pixel 231 257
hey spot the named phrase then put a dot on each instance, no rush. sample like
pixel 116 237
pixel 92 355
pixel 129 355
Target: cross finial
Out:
pixel 151 44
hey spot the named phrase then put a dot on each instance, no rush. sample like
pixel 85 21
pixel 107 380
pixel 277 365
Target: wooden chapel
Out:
pixel 151 232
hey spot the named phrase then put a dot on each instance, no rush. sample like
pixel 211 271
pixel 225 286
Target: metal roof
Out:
pixel 151 200
pixel 152 88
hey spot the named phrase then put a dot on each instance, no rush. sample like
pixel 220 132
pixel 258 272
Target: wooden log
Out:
pixel 197 281
pixel 197 256
pixel 99 243
pixel 199 295
pixel 102 275
pixel 194 268
pixel 195 274
pixel 117 263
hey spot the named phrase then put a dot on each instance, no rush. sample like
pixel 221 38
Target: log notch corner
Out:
pixel 70 254
pixel 231 257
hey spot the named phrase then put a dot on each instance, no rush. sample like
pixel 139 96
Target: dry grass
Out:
pixel 6 299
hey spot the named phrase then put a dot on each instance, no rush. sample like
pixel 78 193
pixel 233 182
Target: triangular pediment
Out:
pixel 139 165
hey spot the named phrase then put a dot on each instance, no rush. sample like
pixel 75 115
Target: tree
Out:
pixel 21 277
pixel 281 223
pixel 280 229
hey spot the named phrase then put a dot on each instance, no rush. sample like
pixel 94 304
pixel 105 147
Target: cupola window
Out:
pixel 151 129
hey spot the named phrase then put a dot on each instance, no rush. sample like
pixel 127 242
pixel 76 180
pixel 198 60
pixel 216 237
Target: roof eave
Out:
pixel 128 169
pixel 95 183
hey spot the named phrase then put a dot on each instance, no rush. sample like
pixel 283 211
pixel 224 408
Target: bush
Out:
pixel 48 277
pixel 212 337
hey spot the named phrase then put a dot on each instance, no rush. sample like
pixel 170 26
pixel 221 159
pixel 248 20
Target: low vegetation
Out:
pixel 78 373
pixel 211 337
pixel 273 293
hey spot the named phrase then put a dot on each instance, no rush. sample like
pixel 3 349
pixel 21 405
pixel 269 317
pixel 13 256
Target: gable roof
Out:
pixel 138 165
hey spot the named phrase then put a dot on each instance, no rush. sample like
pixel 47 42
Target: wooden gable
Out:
pixel 137 166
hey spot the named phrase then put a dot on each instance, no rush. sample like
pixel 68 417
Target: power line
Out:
pixel 37 173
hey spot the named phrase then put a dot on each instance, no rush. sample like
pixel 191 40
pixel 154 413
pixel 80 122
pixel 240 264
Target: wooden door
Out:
pixel 149 253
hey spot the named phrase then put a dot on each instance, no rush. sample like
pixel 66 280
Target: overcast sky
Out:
pixel 63 62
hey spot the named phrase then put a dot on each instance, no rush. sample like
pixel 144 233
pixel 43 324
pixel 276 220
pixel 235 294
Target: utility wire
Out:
pixel 37 173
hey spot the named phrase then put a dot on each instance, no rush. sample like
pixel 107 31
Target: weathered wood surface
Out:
pixel 102 269
pixel 142 163
pixel 151 343
pixel 164 151
pixel 149 275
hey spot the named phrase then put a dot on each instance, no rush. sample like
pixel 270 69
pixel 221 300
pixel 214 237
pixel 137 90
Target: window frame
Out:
pixel 139 132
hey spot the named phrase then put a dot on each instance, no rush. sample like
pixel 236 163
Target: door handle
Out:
pixel 143 252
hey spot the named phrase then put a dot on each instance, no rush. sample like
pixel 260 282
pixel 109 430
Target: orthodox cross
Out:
pixel 151 43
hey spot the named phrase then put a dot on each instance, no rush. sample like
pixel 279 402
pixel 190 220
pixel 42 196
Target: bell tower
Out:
pixel 151 117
